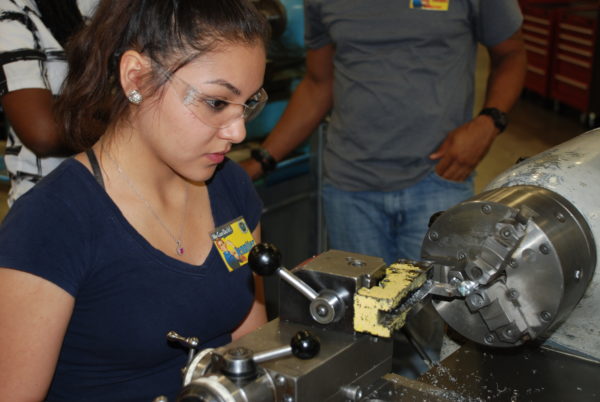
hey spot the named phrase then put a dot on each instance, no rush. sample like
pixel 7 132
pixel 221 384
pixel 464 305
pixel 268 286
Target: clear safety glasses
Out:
pixel 213 111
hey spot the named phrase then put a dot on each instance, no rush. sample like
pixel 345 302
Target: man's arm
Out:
pixel 30 112
pixel 466 146
pixel 307 107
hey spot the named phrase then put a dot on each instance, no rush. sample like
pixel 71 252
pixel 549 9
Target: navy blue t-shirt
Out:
pixel 128 294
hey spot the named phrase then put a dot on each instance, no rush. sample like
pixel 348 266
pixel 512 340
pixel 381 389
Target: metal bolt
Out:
pixel 506 233
pixel 513 263
pixel 489 338
pixel 546 315
pixel 512 294
pixel 455 281
pixel 239 351
pixel 476 300
pixel 280 380
pixel 476 273
pixel 486 209
pixel 544 249
pixel 462 255
pixel 560 217
pixel 322 311
pixel 352 392
pixel 434 236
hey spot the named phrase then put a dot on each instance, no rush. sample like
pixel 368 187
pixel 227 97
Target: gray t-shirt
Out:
pixel 404 78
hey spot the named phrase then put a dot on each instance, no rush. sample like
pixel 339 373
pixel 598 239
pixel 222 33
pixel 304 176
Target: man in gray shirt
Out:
pixel 402 143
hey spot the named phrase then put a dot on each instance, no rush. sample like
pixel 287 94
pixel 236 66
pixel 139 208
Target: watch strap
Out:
pixel 498 117
pixel 267 162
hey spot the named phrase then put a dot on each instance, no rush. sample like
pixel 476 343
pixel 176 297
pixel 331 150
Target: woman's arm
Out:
pixel 34 314
pixel 258 313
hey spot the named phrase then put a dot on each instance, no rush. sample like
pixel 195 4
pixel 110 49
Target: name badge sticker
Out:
pixel 234 242
pixel 434 5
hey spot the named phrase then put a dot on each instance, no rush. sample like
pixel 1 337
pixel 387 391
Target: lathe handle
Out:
pixel 265 259
pixel 305 345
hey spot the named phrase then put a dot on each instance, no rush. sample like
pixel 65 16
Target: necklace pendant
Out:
pixel 179 250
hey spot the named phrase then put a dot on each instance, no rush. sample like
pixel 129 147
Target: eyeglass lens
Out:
pixel 219 113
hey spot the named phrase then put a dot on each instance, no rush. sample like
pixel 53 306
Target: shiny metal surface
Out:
pixel 476 374
pixel 300 286
pixel 344 359
pixel 571 170
pixel 346 362
pixel 339 271
pixel 531 254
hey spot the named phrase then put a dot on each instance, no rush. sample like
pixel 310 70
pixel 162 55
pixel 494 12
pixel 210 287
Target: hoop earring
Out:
pixel 134 96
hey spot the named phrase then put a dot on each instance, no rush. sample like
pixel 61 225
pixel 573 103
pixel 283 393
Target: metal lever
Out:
pixel 325 306
pixel 240 362
pixel 190 342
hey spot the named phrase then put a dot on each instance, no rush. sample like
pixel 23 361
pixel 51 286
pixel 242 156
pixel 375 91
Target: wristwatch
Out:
pixel 267 162
pixel 498 117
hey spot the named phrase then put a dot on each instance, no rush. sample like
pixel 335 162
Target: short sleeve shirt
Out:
pixel 404 78
pixel 30 57
pixel 128 294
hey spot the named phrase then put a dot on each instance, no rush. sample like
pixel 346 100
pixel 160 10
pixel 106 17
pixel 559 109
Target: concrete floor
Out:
pixel 534 126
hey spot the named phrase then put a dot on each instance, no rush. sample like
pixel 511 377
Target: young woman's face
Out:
pixel 193 126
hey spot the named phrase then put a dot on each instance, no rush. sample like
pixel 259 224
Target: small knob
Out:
pixel 264 259
pixel 305 345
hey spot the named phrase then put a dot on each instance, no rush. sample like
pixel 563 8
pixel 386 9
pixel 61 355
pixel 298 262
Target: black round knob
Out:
pixel 305 345
pixel 264 259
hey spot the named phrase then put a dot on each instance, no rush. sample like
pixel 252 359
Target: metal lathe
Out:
pixel 512 271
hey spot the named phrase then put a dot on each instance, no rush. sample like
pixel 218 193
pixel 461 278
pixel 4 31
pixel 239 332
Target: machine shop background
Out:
pixel 558 103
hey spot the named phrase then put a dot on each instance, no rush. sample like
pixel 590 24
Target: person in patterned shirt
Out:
pixel 32 69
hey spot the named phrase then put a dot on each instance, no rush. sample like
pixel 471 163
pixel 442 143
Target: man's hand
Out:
pixel 252 167
pixel 464 148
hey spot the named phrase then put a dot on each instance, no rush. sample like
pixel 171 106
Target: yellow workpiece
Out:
pixel 373 307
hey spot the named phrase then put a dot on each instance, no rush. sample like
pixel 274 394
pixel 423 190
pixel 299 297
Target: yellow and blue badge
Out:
pixel 435 5
pixel 234 241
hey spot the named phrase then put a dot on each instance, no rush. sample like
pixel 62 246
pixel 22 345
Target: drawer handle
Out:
pixel 575 50
pixel 535 70
pixel 575 39
pixel 569 81
pixel 575 61
pixel 575 28
pixel 537 50
pixel 536 20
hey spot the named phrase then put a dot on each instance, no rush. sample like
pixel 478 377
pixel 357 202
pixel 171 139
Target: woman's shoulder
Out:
pixel 70 183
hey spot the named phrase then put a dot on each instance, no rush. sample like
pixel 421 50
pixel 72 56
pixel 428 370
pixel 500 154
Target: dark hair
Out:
pixel 171 33
pixel 62 18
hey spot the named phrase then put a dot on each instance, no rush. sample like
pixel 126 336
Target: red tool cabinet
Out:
pixel 538 34
pixel 563 52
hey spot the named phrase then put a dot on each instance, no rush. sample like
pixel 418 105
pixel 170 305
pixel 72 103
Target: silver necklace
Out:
pixel 178 240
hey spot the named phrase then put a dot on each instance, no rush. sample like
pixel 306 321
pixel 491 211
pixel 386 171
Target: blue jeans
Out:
pixel 390 225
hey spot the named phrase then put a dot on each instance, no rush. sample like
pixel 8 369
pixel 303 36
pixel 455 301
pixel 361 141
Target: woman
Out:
pixel 118 249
